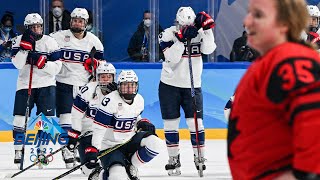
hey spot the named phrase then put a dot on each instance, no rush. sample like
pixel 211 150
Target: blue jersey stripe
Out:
pixel 80 103
pixel 104 118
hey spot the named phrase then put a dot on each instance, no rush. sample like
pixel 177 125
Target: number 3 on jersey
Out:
pixel 105 101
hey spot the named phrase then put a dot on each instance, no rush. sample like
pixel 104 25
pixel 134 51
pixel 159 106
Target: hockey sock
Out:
pixel 171 132
pixel 201 135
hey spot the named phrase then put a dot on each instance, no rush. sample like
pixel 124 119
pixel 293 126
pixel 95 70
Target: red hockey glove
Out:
pixel 28 40
pixel 36 59
pixel 204 21
pixel 88 65
pixel 73 136
pixel 91 154
pixel 187 32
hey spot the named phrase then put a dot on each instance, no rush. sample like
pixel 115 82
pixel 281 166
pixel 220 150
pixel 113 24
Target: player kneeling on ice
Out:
pixel 37 57
pixel 118 128
pixel 85 107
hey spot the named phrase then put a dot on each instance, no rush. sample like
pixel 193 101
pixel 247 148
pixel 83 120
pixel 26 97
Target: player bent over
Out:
pixel 117 122
pixel 41 51
pixel 175 83
pixel 85 107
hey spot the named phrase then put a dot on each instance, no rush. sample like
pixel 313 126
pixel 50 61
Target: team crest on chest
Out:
pixel 67 38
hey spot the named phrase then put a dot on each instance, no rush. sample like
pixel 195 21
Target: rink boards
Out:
pixel 218 83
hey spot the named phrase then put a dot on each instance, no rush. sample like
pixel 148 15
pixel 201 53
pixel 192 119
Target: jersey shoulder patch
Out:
pixel 290 75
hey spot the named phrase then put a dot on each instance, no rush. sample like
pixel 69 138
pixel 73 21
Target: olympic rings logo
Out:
pixel 42 157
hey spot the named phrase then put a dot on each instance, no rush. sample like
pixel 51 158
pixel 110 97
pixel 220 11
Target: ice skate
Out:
pixel 173 166
pixel 76 158
pixel 17 157
pixel 68 158
pixel 199 163
pixel 95 173
pixel 132 172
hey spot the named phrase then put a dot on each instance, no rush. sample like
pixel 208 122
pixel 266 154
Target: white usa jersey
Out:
pixel 175 68
pixel 74 52
pixel 116 120
pixel 41 77
pixel 85 107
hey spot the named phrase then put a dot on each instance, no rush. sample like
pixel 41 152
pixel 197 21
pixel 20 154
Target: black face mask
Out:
pixel 76 30
pixel 128 96
pixel 36 36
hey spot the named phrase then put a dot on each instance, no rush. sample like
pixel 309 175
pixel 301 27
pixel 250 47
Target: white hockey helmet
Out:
pixel 128 76
pixel 185 16
pixel 80 13
pixel 313 11
pixel 105 68
pixel 31 19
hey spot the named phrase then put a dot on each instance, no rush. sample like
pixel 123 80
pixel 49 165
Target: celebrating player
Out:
pixel 85 107
pixel 312 35
pixel 115 123
pixel 76 44
pixel 273 130
pixel 41 51
pixel 175 84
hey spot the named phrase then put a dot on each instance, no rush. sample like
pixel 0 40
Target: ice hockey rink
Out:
pixel 216 154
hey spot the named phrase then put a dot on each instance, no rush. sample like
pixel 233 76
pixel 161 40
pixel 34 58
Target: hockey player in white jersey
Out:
pixel 175 83
pixel 76 44
pixel 41 51
pixel 85 107
pixel 116 122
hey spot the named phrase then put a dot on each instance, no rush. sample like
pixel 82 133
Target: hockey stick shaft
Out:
pixel 92 53
pixel 26 116
pixel 51 154
pixel 194 101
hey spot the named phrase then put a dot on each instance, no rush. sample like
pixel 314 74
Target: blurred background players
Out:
pixel 273 128
pixel 6 36
pixel 139 46
pixel 41 51
pixel 175 83
pixel 312 34
pixel 59 17
pixel 76 44
pixel 116 122
pixel 241 51
pixel 85 107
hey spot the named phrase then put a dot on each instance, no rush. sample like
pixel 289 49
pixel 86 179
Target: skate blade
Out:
pixel 174 172
pixel 200 171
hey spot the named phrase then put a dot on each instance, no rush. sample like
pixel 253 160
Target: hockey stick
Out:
pixel 51 154
pixel 93 74
pixel 195 110
pixel 100 156
pixel 26 116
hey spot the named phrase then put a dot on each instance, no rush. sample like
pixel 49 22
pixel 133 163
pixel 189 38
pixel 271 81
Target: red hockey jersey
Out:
pixel 274 123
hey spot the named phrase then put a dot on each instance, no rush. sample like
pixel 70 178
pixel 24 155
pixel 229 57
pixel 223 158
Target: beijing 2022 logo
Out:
pixel 48 130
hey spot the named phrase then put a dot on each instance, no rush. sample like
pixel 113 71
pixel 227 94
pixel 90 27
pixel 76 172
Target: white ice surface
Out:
pixel 216 154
